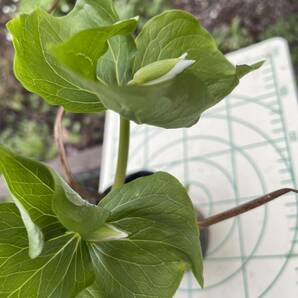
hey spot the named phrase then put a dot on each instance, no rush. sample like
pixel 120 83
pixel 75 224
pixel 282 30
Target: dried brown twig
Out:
pixel 212 220
pixel 58 135
pixel 66 170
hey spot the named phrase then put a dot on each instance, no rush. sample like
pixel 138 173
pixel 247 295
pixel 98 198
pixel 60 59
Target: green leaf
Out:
pixel 141 238
pixel 39 71
pixel 242 70
pixel 47 204
pixel 27 6
pixel 171 104
pixel 106 232
pixel 62 270
pixel 176 32
pixel 82 51
pixel 32 187
pixel 135 102
pixel 114 68
pixel 91 292
pixel 163 240
pixel 35 235
pixel 180 101
pixel 74 213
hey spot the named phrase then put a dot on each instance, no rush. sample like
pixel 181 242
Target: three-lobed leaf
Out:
pixel 84 63
pixel 141 238
pixel 180 101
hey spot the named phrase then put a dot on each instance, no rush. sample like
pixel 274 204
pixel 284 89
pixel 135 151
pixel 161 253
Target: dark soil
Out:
pixel 256 15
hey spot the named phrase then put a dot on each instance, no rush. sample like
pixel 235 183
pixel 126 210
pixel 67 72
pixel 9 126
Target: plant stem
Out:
pixel 123 150
pixel 243 208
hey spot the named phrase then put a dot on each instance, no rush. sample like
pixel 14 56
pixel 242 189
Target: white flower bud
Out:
pixel 161 71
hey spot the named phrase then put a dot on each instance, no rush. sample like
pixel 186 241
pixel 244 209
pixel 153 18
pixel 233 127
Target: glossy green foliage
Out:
pixel 163 241
pixel 31 186
pixel 86 67
pixel 81 52
pixel 140 238
pixel 62 269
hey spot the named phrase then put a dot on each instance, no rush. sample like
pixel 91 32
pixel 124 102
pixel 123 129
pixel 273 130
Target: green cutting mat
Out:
pixel 244 147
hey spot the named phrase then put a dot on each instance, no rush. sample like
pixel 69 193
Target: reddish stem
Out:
pixel 212 220
pixel 58 135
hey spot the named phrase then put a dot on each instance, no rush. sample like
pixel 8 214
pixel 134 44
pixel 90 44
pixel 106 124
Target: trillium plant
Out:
pixel 139 240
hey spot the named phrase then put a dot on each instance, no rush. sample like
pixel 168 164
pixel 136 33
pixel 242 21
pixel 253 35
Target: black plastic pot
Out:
pixel 204 233
pixel 128 179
